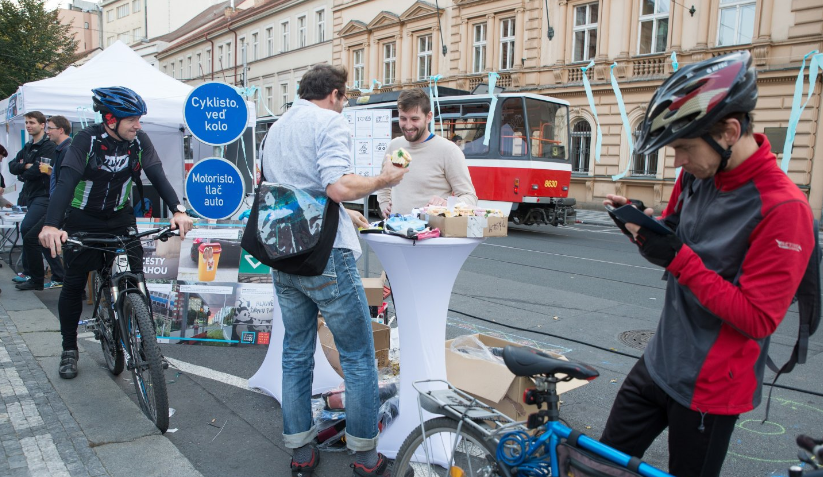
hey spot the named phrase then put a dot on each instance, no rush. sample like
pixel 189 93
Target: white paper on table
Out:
pixel 363 124
pixel 363 153
pixel 10 188
pixel 382 124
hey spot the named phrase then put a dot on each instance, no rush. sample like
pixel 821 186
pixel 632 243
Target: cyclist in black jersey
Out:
pixel 96 177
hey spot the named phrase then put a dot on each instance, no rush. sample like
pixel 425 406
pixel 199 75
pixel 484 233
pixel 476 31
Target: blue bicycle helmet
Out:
pixel 120 101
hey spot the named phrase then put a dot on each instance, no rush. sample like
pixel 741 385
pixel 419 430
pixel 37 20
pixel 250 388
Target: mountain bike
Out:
pixel 123 321
pixel 474 439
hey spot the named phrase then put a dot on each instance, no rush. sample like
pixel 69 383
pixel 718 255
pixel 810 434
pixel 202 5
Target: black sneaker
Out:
pixel 68 363
pixel 306 469
pixel 381 468
pixel 28 286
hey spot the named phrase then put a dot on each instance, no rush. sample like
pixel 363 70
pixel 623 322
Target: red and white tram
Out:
pixel 525 168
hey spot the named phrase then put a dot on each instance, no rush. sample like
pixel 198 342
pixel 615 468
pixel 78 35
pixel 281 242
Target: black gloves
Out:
pixel 657 249
pixel 622 225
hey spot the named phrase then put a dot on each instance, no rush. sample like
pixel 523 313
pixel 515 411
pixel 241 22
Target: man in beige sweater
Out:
pixel 438 168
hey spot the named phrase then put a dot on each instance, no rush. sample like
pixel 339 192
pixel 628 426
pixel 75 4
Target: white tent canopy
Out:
pixel 69 94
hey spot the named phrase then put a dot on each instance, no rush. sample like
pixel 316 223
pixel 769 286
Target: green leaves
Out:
pixel 34 45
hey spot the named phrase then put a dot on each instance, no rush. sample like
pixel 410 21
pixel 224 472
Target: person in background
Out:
pixel 309 148
pixel 3 201
pixel 26 165
pixel 458 140
pixel 438 168
pixel 742 242
pixel 58 129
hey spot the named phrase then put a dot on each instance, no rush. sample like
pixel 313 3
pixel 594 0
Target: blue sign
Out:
pixel 215 188
pixel 215 113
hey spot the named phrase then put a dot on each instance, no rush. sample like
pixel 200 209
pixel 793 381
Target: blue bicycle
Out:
pixel 472 439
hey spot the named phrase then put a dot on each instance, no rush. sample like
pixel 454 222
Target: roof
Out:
pixel 205 17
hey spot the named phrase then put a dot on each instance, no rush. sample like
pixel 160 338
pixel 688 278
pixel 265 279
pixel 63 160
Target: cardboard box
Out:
pixel 470 226
pixel 493 383
pixel 374 290
pixel 382 341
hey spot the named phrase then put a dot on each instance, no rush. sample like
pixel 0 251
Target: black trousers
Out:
pixel 80 263
pixel 33 254
pixel 698 442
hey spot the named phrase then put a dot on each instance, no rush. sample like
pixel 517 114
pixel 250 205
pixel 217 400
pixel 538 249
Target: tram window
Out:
pixel 548 123
pixel 471 127
pixel 513 138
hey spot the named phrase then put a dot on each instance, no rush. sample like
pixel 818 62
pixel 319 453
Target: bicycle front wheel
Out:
pixel 443 447
pixel 107 331
pixel 146 365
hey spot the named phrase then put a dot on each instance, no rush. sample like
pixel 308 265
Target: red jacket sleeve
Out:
pixel 779 251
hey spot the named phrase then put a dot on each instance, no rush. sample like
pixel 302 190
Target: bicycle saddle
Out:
pixel 525 361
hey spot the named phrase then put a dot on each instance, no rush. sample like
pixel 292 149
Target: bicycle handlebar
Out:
pixel 83 241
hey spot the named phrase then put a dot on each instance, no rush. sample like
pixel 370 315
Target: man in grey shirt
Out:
pixel 309 148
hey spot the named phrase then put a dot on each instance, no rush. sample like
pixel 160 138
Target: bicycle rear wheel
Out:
pixel 107 332
pixel 472 453
pixel 146 365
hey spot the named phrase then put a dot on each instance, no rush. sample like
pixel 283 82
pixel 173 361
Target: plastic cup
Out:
pixel 45 165
pixel 209 257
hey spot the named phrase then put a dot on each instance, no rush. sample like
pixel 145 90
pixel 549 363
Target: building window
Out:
pixel 581 145
pixel 208 61
pixel 585 32
pixel 424 57
pixel 507 44
pixel 242 45
pixel 220 57
pixel 389 62
pixel 301 31
pixel 109 16
pixel 165 69
pixel 654 26
pixel 188 65
pixel 268 97
pixel 255 46
pixel 135 6
pixel 320 20
pixel 479 48
pixel 123 11
pixel 643 164
pixel 228 55
pixel 181 68
pixel 736 22
pixel 199 64
pixel 284 35
pixel 137 34
pixel 269 41
pixel 109 41
pixel 85 25
pixel 284 96
pixel 359 70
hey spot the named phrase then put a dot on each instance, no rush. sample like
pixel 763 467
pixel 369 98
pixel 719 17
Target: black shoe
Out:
pixel 381 468
pixel 306 469
pixel 68 363
pixel 28 286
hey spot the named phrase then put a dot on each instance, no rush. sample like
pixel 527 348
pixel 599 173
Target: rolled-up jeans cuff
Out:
pixel 294 441
pixel 360 444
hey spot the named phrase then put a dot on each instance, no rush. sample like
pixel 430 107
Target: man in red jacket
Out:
pixel 743 238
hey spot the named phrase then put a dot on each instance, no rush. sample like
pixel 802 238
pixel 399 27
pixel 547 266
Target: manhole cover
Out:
pixel 637 339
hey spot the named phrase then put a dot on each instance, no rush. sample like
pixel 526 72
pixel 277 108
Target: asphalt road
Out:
pixel 575 289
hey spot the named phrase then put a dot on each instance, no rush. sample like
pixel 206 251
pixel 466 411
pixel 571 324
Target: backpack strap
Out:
pixel 808 304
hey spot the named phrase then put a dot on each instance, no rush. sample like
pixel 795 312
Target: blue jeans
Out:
pixel 338 294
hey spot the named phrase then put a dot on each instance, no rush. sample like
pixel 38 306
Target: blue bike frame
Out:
pixel 556 431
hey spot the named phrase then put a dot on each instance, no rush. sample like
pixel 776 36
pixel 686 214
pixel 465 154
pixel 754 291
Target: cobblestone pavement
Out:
pixel 39 436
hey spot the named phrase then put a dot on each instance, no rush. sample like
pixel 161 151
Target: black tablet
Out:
pixel 631 214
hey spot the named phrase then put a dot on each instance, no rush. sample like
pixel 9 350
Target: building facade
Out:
pixel 401 44
pixel 281 40
pixel 84 19
pixel 132 21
